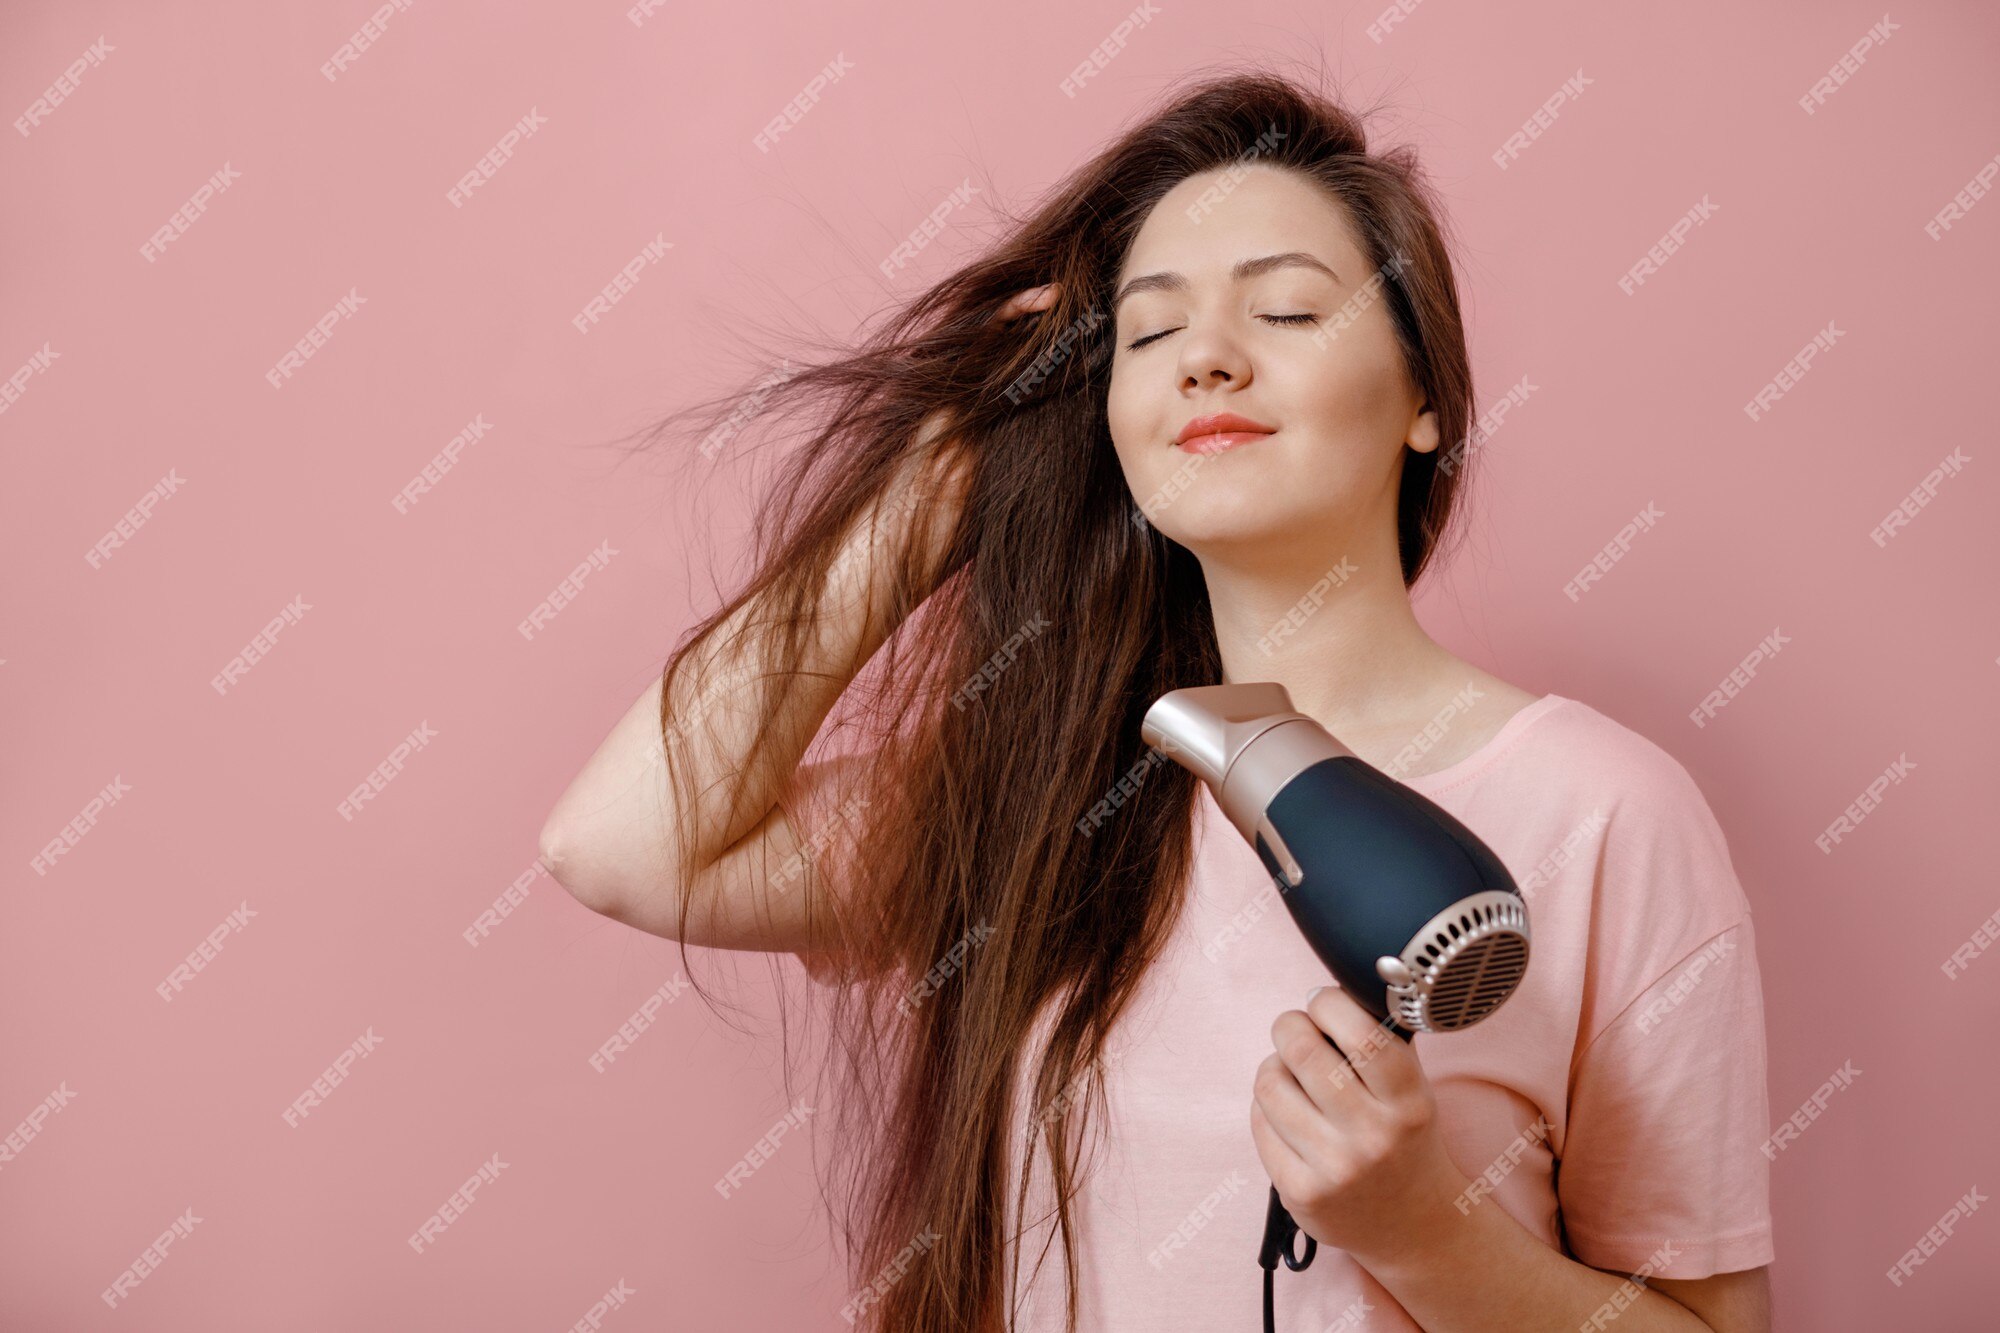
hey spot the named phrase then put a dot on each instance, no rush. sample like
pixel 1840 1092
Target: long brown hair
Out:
pixel 979 843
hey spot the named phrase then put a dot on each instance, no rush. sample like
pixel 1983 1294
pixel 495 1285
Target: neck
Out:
pixel 1333 624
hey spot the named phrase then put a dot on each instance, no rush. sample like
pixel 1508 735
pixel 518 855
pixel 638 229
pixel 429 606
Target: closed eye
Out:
pixel 1275 319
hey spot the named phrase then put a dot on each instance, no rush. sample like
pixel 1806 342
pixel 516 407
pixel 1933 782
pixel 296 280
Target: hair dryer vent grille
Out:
pixel 1463 963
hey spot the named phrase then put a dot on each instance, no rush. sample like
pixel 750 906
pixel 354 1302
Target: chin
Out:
pixel 1218 532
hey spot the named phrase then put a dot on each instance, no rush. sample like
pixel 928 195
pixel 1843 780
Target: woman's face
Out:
pixel 1333 386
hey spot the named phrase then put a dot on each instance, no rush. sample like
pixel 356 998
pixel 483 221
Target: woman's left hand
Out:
pixel 1352 1141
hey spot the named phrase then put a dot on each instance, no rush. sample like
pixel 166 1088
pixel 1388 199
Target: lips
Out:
pixel 1223 430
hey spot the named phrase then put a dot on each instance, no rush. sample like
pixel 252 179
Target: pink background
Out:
pixel 649 131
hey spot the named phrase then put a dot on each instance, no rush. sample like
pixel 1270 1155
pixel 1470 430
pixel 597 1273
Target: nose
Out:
pixel 1210 357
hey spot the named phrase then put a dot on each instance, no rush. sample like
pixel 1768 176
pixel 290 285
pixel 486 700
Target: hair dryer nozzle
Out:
pixel 1209 730
pixel 1204 728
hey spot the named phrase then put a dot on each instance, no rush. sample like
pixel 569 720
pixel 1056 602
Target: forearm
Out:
pixel 1480 1271
pixel 613 834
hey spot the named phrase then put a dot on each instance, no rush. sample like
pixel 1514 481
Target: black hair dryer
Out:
pixel 1415 917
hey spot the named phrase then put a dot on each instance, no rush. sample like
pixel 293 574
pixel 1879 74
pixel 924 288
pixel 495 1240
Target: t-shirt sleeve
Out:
pixel 822 799
pixel 1662 1164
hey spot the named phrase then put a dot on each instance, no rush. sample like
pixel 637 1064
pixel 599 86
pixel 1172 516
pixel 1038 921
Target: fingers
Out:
pixel 1034 298
pixel 1288 1112
pixel 1282 1164
pixel 1326 1083
pixel 1383 1061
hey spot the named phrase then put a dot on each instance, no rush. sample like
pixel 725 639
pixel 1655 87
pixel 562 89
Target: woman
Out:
pixel 1069 1008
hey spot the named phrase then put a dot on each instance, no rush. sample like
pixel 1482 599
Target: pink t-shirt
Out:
pixel 1615 1105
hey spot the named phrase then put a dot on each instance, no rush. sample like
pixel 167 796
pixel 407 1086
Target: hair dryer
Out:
pixel 1414 916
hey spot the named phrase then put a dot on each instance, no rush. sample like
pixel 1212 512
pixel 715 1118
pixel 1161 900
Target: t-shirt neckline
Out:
pixel 1430 783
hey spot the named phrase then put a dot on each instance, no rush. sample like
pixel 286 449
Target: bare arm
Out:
pixel 610 840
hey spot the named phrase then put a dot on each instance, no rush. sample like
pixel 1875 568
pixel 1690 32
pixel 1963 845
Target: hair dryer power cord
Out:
pixel 1279 1233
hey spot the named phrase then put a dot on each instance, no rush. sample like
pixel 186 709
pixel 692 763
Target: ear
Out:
pixel 1423 435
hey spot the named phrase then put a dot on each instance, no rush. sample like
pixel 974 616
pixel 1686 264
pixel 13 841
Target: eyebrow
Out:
pixel 1245 268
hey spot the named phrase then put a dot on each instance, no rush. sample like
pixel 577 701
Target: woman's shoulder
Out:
pixel 1662 867
pixel 1576 774
pixel 1608 759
